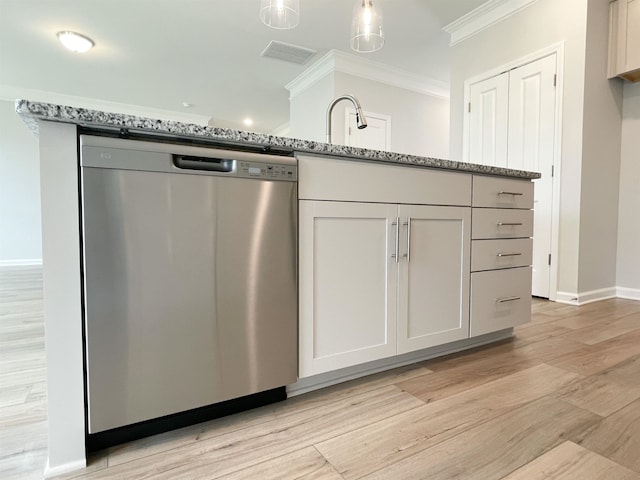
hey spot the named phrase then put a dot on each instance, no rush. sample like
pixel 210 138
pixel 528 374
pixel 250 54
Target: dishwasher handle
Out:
pixel 211 164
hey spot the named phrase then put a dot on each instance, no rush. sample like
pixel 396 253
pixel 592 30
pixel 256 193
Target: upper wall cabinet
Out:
pixel 624 39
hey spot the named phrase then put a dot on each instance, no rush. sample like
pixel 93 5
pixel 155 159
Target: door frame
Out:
pixel 380 116
pixel 558 49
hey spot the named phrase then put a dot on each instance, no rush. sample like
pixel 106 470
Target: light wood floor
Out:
pixel 559 401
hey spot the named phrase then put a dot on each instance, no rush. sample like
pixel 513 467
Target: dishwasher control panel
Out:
pixel 267 171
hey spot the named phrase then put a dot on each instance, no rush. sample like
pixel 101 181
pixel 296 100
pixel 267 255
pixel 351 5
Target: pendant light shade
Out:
pixel 366 27
pixel 281 14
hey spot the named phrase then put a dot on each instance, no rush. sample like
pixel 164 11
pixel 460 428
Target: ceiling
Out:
pixel 161 53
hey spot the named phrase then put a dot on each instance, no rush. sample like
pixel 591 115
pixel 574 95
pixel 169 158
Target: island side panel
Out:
pixel 62 296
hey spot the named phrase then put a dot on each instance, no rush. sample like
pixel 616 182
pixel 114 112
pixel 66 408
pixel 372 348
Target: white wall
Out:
pixel 628 272
pixel 309 108
pixel 20 235
pixel 419 123
pixel 544 23
pixel 600 158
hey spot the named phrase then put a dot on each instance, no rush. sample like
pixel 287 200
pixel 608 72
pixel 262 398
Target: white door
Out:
pixel 488 121
pixel 433 286
pixel 377 135
pixel 512 124
pixel 532 112
pixel 348 282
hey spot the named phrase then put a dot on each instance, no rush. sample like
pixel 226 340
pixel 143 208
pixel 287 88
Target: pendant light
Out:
pixel 75 42
pixel 281 14
pixel 366 27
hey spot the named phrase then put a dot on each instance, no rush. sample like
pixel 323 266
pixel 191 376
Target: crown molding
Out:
pixel 337 61
pixel 315 72
pixel 485 16
pixel 12 93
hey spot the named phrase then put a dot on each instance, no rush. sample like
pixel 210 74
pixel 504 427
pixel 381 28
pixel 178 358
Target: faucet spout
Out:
pixel 361 120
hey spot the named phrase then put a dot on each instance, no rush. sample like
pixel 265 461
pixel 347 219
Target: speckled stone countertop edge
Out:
pixel 33 112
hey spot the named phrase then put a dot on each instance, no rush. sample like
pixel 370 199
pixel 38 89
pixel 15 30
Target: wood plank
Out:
pixel 14 395
pixel 537 332
pixel 596 358
pixel 495 448
pixel 224 453
pixel 305 464
pixel 569 461
pixel 599 394
pixel 317 399
pixel 605 330
pixel 363 451
pixel 617 437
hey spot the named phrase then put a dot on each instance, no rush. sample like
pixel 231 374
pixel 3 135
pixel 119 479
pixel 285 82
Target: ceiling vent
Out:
pixel 287 52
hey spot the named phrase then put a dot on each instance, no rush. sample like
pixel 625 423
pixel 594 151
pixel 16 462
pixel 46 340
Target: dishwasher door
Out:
pixel 190 290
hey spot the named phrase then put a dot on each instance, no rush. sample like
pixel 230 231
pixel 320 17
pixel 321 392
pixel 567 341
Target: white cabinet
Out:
pixel 380 279
pixel 624 39
pixel 433 287
pixel 347 284
pixel 501 254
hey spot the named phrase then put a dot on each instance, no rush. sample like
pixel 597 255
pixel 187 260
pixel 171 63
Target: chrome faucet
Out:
pixel 361 121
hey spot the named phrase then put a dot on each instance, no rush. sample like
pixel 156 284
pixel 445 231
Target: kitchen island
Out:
pixel 368 298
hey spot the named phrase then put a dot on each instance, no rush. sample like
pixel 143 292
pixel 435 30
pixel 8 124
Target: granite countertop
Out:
pixel 32 112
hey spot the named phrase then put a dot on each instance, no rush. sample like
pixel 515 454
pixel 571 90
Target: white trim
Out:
pixel 12 93
pixel 337 61
pixel 567 298
pixel 315 382
pixel 68 467
pixel 483 17
pixel 583 298
pixel 22 262
pixel 629 293
pixel 381 116
pixel 558 49
pixel 316 71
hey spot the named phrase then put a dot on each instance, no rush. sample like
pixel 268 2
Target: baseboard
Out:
pixel 322 380
pixel 629 293
pixel 25 262
pixel 587 297
pixel 68 467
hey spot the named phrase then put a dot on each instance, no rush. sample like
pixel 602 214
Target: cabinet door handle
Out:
pixel 515 194
pixel 508 254
pixel 508 299
pixel 397 225
pixel 408 225
pixel 509 224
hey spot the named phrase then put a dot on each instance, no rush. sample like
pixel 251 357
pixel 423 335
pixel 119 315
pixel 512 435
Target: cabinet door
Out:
pixel 348 281
pixel 433 303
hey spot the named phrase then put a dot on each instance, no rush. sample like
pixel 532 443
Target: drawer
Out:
pixel 498 192
pixel 495 254
pixel 347 180
pixel 500 299
pixel 501 223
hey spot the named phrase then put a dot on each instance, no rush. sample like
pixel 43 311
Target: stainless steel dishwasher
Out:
pixel 190 277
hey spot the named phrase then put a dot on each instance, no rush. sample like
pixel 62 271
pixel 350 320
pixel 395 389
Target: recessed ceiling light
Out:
pixel 187 104
pixel 75 42
pixel 248 122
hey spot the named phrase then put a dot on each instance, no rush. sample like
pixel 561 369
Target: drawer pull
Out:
pixel 515 194
pixel 396 255
pixel 508 254
pixel 408 225
pixel 509 224
pixel 508 299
